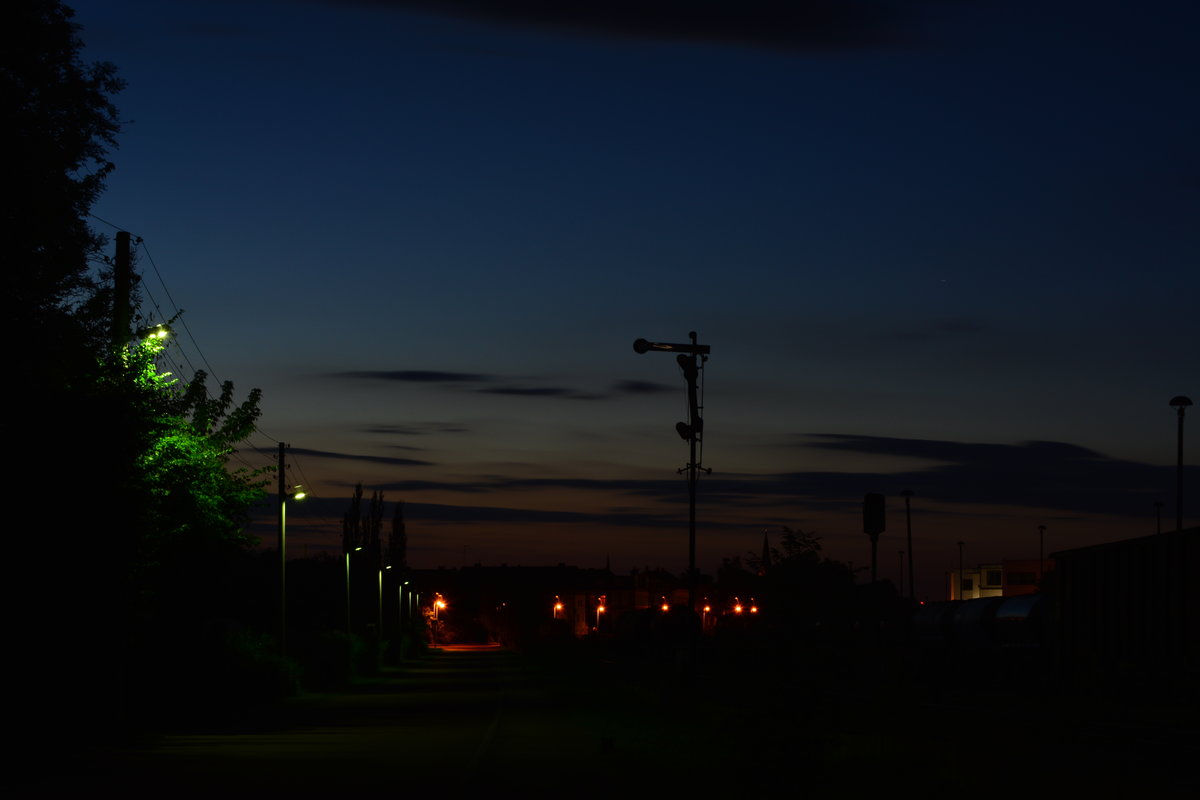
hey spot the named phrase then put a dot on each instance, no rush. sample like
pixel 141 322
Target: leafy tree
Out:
pixel 194 507
pixel 145 510
pixel 60 124
pixel 800 587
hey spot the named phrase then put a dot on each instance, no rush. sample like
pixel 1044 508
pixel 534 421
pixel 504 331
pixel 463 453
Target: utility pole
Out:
pixel 691 358
pixel 873 524
pixel 912 586
pixel 1180 403
pixel 122 312
pixel 282 554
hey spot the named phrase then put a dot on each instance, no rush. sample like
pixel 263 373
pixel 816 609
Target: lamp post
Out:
pixel 297 494
pixel 691 358
pixel 901 554
pixel 382 569
pixel 400 618
pixel 907 494
pixel 1180 404
pixel 438 605
pixel 348 552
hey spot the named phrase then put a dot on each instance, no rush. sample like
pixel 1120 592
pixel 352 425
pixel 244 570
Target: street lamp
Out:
pixel 381 571
pixel 348 552
pixel 1180 404
pixel 438 604
pixel 400 619
pixel 296 493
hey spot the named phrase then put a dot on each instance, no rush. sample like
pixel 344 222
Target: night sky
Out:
pixel 941 246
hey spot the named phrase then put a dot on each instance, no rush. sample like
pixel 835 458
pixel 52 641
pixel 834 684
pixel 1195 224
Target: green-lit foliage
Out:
pixel 123 549
pixel 184 506
pixel 185 463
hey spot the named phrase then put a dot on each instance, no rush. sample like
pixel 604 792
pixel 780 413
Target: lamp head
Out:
pixel 159 331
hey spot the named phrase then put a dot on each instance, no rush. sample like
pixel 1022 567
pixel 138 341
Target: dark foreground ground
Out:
pixel 588 723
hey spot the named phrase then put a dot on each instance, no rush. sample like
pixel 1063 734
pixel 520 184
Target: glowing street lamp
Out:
pixel 381 571
pixel 400 598
pixel 348 552
pixel 154 332
pixel 600 609
pixel 558 607
pixel 296 493
pixel 438 604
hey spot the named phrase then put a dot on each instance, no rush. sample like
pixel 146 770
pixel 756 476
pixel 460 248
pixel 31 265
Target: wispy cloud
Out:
pixel 471 382
pixel 1041 474
pixel 1057 476
pixel 641 387
pixel 417 429
pixel 416 376
pixel 541 391
pixel 389 460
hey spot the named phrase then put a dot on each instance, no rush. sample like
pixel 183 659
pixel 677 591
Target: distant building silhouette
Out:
pixel 1129 612
pixel 1009 578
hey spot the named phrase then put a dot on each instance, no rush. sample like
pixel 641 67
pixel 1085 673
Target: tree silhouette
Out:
pixel 352 522
pixel 146 514
pixel 373 524
pixel 60 124
pixel 802 589
pixel 397 547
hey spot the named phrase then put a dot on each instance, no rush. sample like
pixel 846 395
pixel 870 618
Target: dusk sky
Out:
pixel 941 246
